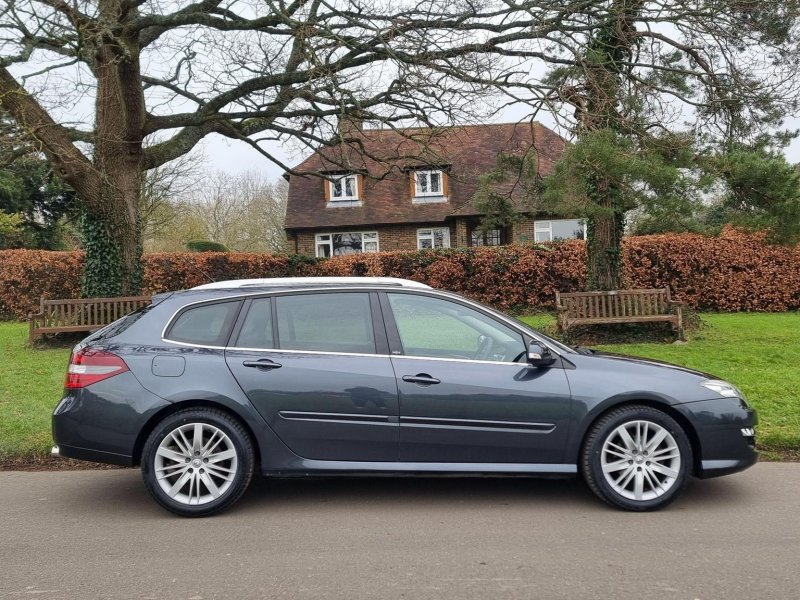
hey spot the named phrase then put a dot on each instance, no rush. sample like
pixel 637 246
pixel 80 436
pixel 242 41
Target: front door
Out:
pixel 467 394
pixel 309 363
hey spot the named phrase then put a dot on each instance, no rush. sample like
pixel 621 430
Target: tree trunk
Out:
pixel 113 242
pixel 611 46
pixel 605 227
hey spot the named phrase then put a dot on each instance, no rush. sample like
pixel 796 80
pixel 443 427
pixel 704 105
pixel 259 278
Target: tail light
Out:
pixel 89 365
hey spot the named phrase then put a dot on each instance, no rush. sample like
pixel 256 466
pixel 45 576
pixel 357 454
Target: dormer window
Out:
pixel 428 186
pixel 429 183
pixel 343 189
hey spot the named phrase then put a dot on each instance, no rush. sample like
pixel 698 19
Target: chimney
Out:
pixel 350 125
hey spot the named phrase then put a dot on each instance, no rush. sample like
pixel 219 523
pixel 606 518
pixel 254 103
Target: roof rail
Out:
pixel 310 281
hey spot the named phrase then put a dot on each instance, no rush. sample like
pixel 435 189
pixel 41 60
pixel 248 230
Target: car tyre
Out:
pixel 636 458
pixel 197 462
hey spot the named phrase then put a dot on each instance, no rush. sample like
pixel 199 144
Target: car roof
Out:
pixel 309 282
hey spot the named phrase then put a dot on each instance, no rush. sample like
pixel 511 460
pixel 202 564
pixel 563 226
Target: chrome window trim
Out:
pixel 417 291
pixel 464 360
pixel 328 353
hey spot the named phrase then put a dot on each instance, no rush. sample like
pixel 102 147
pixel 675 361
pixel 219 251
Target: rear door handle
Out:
pixel 421 379
pixel 263 363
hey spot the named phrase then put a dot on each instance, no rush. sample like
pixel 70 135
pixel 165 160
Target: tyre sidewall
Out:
pixel 240 442
pixel 592 465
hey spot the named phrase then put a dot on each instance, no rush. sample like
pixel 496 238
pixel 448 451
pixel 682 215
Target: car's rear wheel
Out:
pixel 637 458
pixel 197 462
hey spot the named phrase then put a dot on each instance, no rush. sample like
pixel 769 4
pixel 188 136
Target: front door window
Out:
pixel 436 328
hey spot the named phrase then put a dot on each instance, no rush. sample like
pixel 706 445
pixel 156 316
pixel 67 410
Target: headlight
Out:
pixel 723 388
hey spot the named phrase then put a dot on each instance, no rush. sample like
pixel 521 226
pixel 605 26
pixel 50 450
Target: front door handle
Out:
pixel 262 363
pixel 421 379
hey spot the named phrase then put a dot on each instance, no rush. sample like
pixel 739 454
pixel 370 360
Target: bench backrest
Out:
pixel 614 304
pixel 89 312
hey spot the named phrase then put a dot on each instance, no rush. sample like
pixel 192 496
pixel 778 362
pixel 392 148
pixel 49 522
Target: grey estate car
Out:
pixel 327 376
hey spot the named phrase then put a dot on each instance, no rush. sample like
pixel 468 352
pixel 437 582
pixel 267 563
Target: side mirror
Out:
pixel 539 355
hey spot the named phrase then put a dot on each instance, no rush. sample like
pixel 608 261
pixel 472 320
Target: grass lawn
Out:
pixel 760 353
pixel 31 382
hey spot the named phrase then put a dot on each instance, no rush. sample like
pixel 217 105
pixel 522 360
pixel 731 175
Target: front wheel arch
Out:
pixel 680 418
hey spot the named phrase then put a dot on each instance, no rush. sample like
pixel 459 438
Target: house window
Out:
pixel 337 244
pixel 561 229
pixel 343 188
pixel 427 186
pixel 492 237
pixel 429 183
pixel 434 237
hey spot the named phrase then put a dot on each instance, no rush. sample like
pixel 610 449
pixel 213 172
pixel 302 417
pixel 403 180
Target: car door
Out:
pixel 315 366
pixel 463 398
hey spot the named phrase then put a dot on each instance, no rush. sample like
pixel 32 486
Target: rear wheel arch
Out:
pixel 667 409
pixel 159 416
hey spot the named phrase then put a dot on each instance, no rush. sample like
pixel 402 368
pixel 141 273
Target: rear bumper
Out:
pixel 103 422
pixel 62 451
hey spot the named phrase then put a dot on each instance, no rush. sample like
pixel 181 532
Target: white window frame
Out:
pixel 342 178
pixel 419 193
pixel 326 239
pixel 427 233
pixel 547 227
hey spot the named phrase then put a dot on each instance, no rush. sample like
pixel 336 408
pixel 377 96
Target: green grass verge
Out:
pixel 31 382
pixel 758 352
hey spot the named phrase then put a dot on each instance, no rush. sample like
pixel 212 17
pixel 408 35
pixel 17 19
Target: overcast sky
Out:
pixel 222 154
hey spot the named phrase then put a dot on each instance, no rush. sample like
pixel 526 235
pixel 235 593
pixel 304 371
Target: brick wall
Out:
pixel 404 237
pixel 391 238
pixel 522 231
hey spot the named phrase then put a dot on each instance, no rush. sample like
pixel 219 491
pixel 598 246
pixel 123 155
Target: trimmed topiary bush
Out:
pixel 205 246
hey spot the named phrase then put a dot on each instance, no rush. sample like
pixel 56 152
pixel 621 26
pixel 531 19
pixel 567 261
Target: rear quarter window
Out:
pixel 208 325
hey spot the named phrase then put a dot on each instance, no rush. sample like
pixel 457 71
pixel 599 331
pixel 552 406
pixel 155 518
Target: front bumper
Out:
pixel 717 468
pixel 725 429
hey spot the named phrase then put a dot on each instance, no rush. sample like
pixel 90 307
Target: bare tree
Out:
pixel 163 188
pixel 170 72
pixel 174 72
pixel 246 212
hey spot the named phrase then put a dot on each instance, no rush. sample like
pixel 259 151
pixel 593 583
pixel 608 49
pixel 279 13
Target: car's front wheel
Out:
pixel 197 462
pixel 637 458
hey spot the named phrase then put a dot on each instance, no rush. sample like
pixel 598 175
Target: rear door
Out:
pixel 315 366
pixel 467 394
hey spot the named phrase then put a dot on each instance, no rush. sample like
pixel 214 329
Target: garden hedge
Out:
pixel 732 272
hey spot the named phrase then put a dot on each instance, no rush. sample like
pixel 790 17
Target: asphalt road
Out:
pixel 96 534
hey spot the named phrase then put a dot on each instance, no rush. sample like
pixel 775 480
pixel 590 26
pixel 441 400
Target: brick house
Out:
pixel 413 190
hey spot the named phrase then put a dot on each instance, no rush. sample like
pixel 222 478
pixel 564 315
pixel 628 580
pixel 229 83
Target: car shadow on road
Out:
pixel 309 494
pixel 468 492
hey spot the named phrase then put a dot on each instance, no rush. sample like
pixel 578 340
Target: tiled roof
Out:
pixel 465 152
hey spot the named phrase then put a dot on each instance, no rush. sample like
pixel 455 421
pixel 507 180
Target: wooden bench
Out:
pixel 80 314
pixel 620 306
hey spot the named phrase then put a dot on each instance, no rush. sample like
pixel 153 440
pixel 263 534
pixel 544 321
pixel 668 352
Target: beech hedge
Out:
pixel 732 272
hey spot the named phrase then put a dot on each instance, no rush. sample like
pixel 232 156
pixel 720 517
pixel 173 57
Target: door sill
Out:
pixel 342 467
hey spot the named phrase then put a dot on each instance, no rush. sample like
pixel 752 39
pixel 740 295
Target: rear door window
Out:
pixel 256 330
pixel 207 325
pixel 330 322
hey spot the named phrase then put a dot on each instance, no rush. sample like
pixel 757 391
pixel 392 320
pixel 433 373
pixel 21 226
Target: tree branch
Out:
pixel 54 139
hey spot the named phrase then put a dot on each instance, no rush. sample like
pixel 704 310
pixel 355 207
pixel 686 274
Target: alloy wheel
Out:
pixel 640 460
pixel 195 463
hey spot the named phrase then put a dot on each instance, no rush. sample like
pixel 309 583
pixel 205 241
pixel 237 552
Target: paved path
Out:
pixel 96 534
